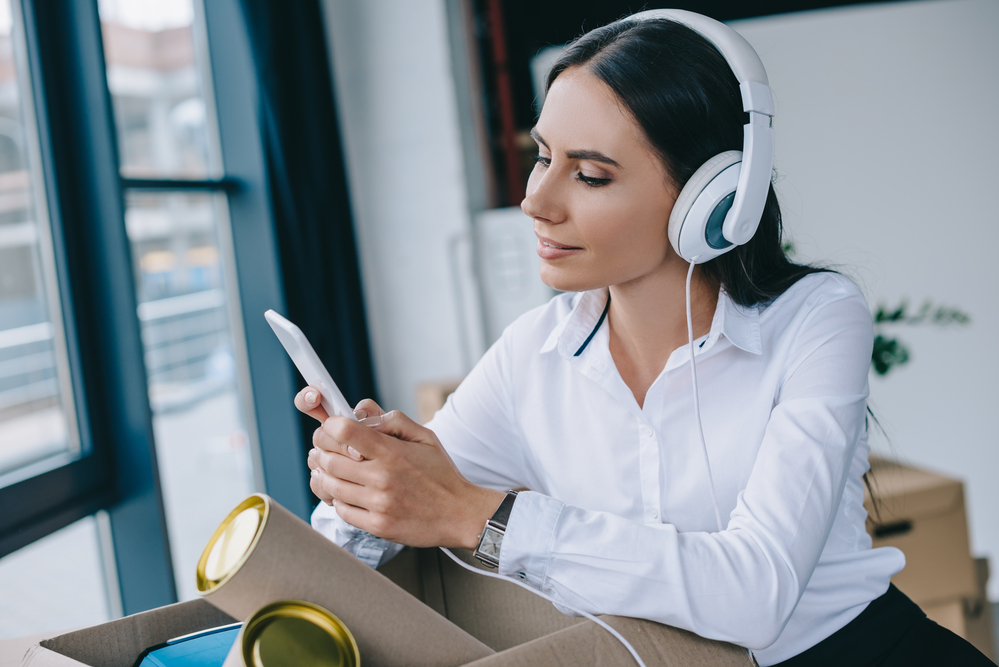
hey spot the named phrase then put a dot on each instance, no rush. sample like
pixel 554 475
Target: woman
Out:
pixel 755 533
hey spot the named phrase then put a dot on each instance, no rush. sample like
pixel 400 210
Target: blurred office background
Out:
pixel 171 168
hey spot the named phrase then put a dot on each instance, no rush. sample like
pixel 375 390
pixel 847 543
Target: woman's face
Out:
pixel 599 197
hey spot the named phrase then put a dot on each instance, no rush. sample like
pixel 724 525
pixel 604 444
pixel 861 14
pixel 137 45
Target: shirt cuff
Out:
pixel 370 550
pixel 527 543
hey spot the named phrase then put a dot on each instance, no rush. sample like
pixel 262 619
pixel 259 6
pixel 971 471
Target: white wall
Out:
pixel 396 99
pixel 887 138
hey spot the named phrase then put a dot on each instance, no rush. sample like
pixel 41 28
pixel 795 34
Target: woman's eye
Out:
pixel 591 181
pixel 542 160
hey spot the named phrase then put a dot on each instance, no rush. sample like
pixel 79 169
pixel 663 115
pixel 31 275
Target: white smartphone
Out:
pixel 307 361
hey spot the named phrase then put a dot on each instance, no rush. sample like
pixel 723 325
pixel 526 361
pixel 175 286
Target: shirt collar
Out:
pixel 739 324
pixel 573 330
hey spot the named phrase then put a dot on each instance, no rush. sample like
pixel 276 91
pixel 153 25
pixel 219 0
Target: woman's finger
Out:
pixel 343 491
pixel 315 483
pixel 398 425
pixel 341 467
pixel 349 438
pixel 321 439
pixel 308 401
pixel 355 516
pixel 367 408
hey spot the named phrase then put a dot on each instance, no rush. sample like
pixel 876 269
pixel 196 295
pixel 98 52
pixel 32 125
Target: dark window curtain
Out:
pixel 308 184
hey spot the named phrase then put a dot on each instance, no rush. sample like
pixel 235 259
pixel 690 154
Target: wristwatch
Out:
pixel 491 539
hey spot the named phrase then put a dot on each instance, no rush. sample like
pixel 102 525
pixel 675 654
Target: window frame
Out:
pixel 85 194
pixel 45 502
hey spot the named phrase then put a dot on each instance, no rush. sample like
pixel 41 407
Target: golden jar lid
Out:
pixel 292 633
pixel 232 543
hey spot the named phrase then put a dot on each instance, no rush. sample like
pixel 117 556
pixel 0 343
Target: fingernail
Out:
pixel 314 453
pixel 374 420
pixel 361 414
pixel 310 397
pixel 315 473
pixel 353 453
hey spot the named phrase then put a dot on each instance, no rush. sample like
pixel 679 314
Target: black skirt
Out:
pixel 892 632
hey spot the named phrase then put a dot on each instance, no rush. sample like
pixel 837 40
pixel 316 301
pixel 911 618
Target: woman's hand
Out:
pixel 395 480
pixel 308 401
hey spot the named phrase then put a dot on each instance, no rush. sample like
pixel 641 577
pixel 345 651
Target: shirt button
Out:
pixel 655 514
pixel 522 575
pixel 646 431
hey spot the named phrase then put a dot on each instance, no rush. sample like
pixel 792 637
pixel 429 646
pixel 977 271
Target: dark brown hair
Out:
pixel 684 96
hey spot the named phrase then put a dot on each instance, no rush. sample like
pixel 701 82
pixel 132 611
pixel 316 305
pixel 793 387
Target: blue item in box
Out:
pixel 207 648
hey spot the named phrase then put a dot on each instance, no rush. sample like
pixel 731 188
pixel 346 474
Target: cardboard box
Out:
pixel 526 630
pixel 922 513
pixel 392 627
pixel 119 643
pixel 498 614
pixel 579 645
pixel 970 618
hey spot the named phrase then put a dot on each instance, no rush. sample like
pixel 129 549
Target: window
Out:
pixel 177 223
pixel 125 362
pixel 38 429
pixel 41 439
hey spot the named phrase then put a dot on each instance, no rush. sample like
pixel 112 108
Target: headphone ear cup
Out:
pixel 681 221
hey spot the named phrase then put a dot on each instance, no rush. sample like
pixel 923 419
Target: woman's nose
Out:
pixel 541 202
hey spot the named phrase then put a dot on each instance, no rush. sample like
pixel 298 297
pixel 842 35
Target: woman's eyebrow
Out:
pixel 592 155
pixel 595 156
pixel 537 137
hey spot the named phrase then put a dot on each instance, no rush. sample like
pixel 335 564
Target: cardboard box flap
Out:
pixel 119 643
pixel 498 613
pixel 904 492
pixel 585 644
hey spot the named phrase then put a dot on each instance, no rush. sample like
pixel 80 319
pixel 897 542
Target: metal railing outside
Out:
pixel 188 356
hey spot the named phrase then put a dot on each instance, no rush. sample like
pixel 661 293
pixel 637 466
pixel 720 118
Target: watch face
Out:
pixel 491 542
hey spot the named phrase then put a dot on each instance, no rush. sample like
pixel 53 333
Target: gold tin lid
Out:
pixel 232 543
pixel 290 633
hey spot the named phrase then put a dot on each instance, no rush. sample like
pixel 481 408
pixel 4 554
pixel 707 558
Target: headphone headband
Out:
pixel 740 55
pixel 743 218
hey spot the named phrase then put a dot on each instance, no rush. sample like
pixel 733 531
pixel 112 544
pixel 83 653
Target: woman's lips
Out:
pixel 548 249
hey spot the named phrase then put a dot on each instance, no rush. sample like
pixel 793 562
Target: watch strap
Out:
pixel 502 515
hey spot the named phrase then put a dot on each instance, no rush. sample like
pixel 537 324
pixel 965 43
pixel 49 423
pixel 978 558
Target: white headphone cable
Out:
pixel 602 624
pixel 697 406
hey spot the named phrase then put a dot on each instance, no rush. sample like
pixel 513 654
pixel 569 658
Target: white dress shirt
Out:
pixel 619 519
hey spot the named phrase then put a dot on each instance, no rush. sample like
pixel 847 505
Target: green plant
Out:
pixel 890 352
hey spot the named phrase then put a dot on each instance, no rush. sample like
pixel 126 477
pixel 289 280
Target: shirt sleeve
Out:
pixel 741 584
pixel 478 426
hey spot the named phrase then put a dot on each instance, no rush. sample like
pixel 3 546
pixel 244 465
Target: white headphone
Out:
pixel 721 205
